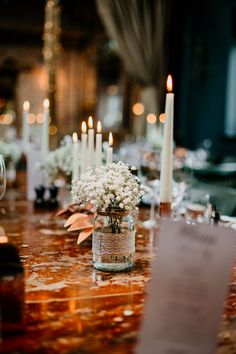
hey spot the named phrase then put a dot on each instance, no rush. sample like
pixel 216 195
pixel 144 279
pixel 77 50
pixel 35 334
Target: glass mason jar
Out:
pixel 113 241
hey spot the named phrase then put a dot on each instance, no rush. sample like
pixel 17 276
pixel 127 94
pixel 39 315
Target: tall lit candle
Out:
pixel 110 149
pixel 167 147
pixel 25 125
pixel 45 136
pixel 99 145
pixel 84 138
pixel 75 156
pixel 90 142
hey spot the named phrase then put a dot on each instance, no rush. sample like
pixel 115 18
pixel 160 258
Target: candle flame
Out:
pixel 169 83
pixel 99 127
pixel 84 127
pixel 26 105
pixel 75 137
pixel 46 103
pixel 162 118
pixel 110 139
pixel 90 122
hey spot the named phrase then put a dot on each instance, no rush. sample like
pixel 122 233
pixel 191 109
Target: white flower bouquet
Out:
pixel 11 152
pixel 58 163
pixel 108 187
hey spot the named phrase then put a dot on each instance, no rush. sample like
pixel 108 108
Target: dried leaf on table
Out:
pixel 75 217
pixel 61 212
pixel 73 208
pixel 80 226
pixel 70 209
pixel 89 207
pixel 79 219
pixel 83 235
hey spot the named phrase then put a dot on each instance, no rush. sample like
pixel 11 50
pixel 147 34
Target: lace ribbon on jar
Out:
pixel 111 243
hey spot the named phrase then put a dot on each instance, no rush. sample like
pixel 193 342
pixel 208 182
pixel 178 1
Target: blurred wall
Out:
pixel 201 37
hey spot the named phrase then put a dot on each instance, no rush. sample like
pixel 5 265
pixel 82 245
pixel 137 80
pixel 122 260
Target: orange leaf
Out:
pixel 91 217
pixel 80 226
pixel 84 234
pixel 89 206
pixel 61 211
pixel 72 208
pixel 75 217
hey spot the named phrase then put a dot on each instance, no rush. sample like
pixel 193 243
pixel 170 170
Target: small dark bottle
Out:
pixel 215 215
pixel 12 291
pixel 39 200
pixel 52 202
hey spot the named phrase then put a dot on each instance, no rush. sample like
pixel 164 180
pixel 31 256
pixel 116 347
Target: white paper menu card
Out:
pixel 190 277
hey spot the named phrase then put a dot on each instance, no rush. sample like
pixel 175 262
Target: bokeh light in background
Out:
pixel 31 119
pixel 138 109
pixel 52 129
pixel 162 117
pixel 151 118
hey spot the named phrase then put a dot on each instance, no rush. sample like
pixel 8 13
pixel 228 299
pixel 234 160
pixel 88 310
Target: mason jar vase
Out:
pixel 113 240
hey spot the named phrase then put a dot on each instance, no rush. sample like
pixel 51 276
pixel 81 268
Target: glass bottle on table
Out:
pixel 11 278
pixel 149 175
pixel 3 179
pixel 11 289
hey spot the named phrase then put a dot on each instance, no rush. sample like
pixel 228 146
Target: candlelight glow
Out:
pixel 110 140
pixel 46 103
pixel 138 109
pixel 162 118
pixel 26 105
pixel 31 118
pixel 52 130
pixel 151 118
pixel 3 239
pixel 40 118
pixel 84 127
pixel 169 83
pixel 90 122
pixel 112 90
pixel 6 119
pixel 99 127
pixel 75 137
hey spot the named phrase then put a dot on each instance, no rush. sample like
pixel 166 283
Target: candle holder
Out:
pixel 165 209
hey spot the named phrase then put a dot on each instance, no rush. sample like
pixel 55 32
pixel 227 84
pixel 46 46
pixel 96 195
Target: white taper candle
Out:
pixel 45 136
pixel 167 147
pixel 25 125
pixel 84 138
pixel 90 143
pixel 98 145
pixel 110 149
pixel 75 156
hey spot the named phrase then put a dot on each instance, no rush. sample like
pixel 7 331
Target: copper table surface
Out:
pixel 71 307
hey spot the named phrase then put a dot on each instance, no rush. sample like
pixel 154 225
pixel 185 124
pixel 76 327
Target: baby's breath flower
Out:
pixel 111 186
pixel 11 152
pixel 58 162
